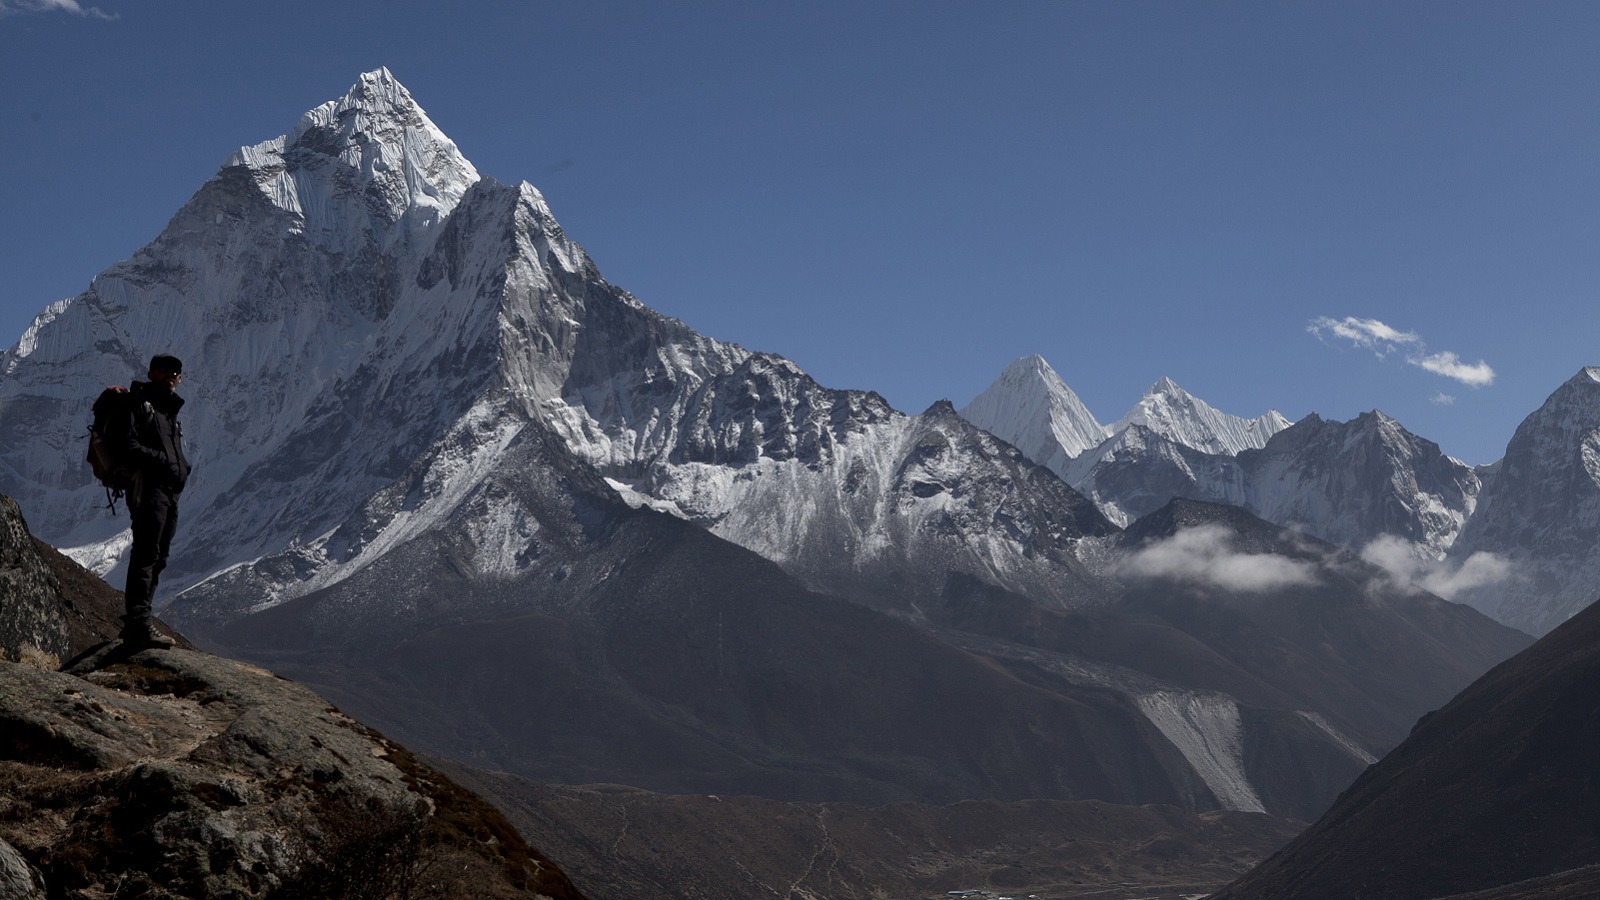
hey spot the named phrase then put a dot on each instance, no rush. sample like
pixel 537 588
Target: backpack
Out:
pixel 113 405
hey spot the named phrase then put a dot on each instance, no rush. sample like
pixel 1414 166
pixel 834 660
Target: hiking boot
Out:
pixel 144 633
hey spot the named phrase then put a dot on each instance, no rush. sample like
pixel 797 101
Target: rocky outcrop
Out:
pixel 18 879
pixel 174 773
pixel 33 622
pixel 178 774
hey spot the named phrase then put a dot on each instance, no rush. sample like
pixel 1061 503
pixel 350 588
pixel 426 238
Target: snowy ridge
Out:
pixel 1348 483
pixel 1351 482
pixel 1172 412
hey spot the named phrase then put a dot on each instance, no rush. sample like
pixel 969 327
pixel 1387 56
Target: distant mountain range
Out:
pixel 462 485
pixel 1517 539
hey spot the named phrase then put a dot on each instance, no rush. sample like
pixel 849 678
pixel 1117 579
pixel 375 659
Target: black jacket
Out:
pixel 152 440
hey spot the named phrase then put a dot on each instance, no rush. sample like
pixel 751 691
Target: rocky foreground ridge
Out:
pixel 174 773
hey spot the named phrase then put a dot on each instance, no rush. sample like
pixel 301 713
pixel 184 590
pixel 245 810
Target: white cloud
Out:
pixel 1202 555
pixel 9 7
pixel 1450 366
pixel 1366 333
pixel 1443 399
pixel 1381 339
pixel 1394 555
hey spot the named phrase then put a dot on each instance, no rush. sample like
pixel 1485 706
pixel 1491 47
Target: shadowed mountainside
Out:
pixel 1494 793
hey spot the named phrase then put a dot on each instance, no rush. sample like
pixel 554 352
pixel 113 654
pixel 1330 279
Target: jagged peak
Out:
pixel 1178 415
pixel 377 129
pixel 1033 370
pixel 377 99
pixel 1166 386
pixel 1588 374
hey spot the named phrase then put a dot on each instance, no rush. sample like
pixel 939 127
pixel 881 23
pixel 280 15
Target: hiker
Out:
pixel 150 440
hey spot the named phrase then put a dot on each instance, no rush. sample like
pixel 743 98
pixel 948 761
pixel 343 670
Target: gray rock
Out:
pixel 32 618
pixel 179 774
pixel 18 879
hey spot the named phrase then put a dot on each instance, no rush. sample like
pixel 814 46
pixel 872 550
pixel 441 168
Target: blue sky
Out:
pixel 1315 207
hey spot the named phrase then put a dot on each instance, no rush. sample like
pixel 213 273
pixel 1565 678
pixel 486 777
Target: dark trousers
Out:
pixel 155 518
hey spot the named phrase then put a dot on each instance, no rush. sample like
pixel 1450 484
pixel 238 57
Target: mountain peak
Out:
pixel 405 168
pixel 1166 386
pixel 1178 415
pixel 1030 407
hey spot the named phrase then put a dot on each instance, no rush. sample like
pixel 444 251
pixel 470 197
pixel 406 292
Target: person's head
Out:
pixel 166 370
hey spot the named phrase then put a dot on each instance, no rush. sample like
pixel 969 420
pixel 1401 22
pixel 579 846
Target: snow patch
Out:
pixel 634 497
pixel 102 557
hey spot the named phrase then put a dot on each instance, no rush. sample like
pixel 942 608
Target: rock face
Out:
pixel 33 621
pixel 174 773
pixel 1351 482
pixel 1495 789
pixel 1541 511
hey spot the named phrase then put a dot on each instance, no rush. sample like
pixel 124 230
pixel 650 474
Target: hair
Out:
pixel 166 362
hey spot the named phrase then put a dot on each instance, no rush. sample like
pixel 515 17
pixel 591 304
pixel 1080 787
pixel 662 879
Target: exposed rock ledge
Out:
pixel 174 773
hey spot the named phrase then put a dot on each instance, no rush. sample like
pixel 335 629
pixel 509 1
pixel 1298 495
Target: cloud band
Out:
pixel 1382 340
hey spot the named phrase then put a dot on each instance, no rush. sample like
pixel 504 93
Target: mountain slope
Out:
pixel 361 310
pixel 1351 482
pixel 1495 788
pixel 1541 512
pixel 1030 407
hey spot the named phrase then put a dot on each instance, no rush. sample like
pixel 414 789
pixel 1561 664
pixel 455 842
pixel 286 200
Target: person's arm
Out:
pixel 124 439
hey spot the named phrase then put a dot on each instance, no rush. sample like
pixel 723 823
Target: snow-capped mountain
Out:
pixel 318 358
pixel 1168 431
pixel 1351 482
pixel 428 434
pixel 1030 407
pixel 353 302
pixel 1173 413
pixel 1033 409
pixel 1171 444
pixel 1347 483
pixel 1540 510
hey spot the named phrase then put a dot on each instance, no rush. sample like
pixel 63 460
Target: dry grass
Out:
pixel 38 659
